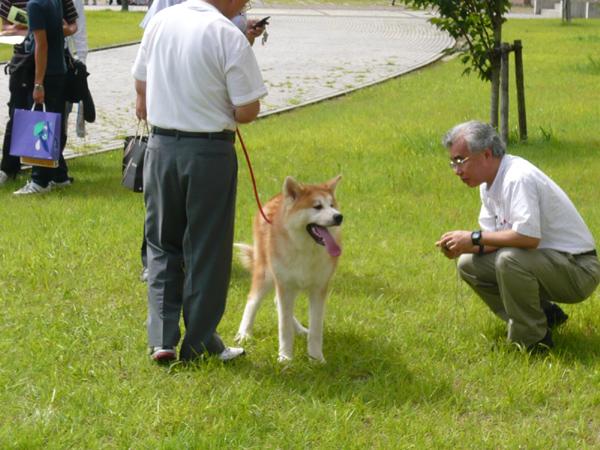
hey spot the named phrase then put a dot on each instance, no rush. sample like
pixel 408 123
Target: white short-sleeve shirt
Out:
pixel 197 66
pixel 526 200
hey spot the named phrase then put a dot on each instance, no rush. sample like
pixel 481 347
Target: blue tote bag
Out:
pixel 36 135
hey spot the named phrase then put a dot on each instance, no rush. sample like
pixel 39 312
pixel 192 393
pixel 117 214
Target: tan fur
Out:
pixel 285 257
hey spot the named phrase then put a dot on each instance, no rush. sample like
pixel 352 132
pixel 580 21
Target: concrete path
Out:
pixel 311 54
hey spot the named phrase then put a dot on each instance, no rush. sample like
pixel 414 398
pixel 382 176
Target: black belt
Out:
pixel 226 135
pixel 590 253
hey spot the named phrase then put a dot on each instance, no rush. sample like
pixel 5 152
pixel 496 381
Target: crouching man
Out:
pixel 533 250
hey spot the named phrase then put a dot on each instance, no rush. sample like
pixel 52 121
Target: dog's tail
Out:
pixel 246 255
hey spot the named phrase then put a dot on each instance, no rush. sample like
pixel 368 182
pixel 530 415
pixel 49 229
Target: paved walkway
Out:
pixel 311 54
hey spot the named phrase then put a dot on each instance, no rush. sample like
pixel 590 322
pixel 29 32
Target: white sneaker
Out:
pixel 62 185
pixel 32 188
pixel 3 177
pixel 163 355
pixel 231 353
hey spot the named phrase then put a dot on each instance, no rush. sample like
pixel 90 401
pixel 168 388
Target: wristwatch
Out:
pixel 39 87
pixel 475 237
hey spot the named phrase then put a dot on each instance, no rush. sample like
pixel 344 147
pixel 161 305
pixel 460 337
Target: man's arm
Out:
pixel 69 29
pixel 253 33
pixel 140 103
pixel 13 29
pixel 41 61
pixel 455 243
pixel 247 113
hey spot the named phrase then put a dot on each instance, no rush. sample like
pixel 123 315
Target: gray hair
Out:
pixel 478 135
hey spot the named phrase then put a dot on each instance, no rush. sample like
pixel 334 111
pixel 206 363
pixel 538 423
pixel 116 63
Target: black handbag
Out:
pixel 21 69
pixel 134 150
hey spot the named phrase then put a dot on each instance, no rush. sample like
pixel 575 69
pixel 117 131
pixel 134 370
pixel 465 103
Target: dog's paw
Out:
pixel 283 359
pixel 242 337
pixel 316 361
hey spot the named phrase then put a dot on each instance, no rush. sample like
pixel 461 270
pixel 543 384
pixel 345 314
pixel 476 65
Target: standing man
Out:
pixel 19 96
pixel 246 26
pixel 533 248
pixel 196 76
pixel 45 22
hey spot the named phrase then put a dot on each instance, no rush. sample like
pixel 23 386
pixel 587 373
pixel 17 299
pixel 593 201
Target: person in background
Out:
pixel 77 45
pixel 196 77
pixel 45 23
pixel 241 20
pixel 533 249
pixel 11 165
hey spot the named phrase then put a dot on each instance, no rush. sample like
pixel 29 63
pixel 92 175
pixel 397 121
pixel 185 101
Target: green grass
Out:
pixel 104 28
pixel 407 345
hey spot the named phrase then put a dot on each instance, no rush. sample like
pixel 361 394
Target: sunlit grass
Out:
pixel 104 28
pixel 407 345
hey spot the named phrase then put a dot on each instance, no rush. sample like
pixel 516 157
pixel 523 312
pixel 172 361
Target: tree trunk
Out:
pixel 495 60
pixel 520 90
pixel 124 5
pixel 504 93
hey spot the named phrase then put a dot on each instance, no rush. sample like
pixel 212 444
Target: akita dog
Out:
pixel 297 252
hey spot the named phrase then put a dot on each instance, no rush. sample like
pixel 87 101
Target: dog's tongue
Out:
pixel 332 247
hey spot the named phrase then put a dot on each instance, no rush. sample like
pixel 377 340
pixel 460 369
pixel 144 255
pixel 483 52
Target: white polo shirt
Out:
pixel 197 66
pixel 526 200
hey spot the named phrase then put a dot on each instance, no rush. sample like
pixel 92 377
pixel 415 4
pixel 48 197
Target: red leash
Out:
pixel 252 175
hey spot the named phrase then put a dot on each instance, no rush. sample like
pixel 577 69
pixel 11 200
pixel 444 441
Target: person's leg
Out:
pixel 480 274
pixel 54 99
pixel 211 170
pixel 144 250
pixel 526 275
pixel 164 229
pixel 11 165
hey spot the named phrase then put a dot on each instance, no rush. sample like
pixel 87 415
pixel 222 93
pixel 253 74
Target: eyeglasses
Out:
pixel 247 7
pixel 458 164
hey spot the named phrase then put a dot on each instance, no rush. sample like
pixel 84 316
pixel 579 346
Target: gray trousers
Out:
pixel 189 190
pixel 518 284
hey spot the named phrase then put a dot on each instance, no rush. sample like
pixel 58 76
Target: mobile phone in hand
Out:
pixel 261 23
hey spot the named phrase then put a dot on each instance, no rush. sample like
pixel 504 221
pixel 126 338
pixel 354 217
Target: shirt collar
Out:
pixel 495 190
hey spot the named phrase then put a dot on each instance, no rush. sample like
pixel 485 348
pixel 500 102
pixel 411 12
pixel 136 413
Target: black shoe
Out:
pixel 544 345
pixel 555 316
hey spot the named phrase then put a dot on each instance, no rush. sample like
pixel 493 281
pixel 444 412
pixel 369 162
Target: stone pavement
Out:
pixel 312 54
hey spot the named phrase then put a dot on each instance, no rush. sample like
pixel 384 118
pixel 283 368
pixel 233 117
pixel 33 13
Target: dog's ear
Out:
pixel 332 184
pixel 292 190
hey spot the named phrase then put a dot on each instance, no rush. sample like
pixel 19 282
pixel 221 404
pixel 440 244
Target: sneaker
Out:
pixel 555 316
pixel 231 353
pixel 32 188
pixel 60 185
pixel 164 355
pixel 144 275
pixel 3 177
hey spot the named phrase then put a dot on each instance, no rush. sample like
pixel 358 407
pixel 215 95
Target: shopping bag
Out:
pixel 134 150
pixel 36 135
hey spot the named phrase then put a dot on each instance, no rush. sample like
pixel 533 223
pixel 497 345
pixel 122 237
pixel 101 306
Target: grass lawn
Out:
pixel 408 345
pixel 104 28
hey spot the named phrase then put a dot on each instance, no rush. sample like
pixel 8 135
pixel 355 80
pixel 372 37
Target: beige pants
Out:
pixel 517 283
